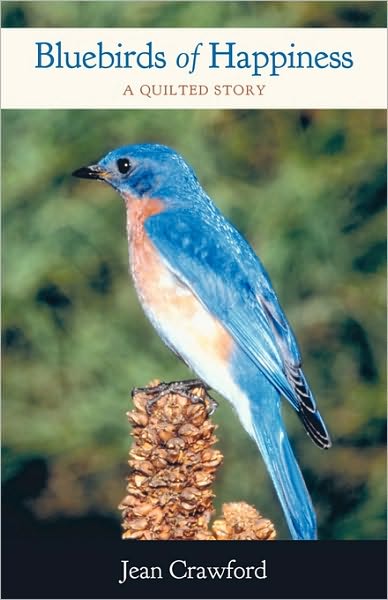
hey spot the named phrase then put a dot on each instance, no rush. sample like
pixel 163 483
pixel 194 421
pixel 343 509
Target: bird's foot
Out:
pixel 183 388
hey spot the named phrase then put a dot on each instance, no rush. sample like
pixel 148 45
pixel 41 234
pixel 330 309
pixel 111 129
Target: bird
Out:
pixel 210 299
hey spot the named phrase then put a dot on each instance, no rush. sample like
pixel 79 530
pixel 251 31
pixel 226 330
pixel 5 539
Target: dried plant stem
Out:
pixel 173 466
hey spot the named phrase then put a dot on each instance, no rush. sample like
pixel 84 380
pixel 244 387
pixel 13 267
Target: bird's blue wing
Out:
pixel 210 257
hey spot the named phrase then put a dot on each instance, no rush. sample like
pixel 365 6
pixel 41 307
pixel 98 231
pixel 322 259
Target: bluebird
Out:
pixel 211 301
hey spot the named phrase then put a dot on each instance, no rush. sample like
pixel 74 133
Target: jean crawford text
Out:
pixel 180 569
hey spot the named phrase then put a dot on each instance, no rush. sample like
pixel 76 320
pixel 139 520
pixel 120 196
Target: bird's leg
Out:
pixel 184 388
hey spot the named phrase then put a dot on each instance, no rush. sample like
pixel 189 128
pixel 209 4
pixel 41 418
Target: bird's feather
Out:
pixel 275 448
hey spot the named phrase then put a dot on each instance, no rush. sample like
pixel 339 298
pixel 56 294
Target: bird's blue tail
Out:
pixel 273 443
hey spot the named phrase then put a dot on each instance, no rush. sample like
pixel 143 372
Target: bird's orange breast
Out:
pixel 171 306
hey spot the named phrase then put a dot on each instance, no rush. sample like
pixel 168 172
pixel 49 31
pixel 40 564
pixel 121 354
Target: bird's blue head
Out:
pixel 144 171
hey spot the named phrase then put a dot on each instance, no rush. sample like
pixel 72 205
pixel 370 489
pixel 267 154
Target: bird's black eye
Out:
pixel 123 165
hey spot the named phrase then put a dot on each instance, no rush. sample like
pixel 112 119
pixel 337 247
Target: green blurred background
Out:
pixel 307 188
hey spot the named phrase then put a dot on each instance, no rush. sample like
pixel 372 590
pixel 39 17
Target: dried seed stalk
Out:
pixel 173 465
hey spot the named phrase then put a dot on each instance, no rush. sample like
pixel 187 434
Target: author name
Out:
pixel 180 569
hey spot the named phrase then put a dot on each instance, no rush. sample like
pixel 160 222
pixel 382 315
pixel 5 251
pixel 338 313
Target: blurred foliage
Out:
pixel 184 13
pixel 307 188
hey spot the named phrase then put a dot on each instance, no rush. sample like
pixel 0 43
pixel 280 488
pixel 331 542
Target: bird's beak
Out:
pixel 91 172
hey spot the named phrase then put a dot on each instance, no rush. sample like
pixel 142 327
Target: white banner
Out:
pixel 194 68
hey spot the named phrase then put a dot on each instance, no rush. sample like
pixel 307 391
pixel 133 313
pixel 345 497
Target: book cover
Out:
pixel 194 189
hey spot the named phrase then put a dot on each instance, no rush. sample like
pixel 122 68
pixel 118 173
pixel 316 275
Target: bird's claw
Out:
pixel 184 388
pixel 213 405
